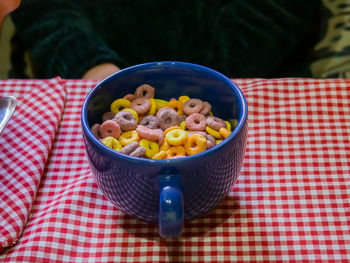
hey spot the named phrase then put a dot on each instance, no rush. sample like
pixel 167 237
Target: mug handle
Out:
pixel 171 206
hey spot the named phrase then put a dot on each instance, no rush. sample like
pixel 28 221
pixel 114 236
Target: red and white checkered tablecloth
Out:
pixel 291 201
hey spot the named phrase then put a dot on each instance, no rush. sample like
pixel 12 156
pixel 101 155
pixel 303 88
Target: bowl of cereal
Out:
pixel 165 140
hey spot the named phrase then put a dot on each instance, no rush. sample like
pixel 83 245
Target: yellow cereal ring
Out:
pixel 119 104
pixel 213 133
pixel 183 99
pixel 165 146
pixel 128 137
pixel 175 150
pixel 170 129
pixel 160 155
pixel 224 132
pixel 176 105
pixel 133 112
pixel 160 103
pixel 183 125
pixel 195 143
pixel 211 114
pixel 112 143
pixel 218 141
pixel 228 125
pixel 153 109
pixel 151 147
pixel 176 137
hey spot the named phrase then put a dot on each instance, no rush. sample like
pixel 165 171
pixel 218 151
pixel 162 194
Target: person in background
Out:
pixel 6 6
pixel 92 39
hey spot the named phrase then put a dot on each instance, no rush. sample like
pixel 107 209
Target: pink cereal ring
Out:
pixel 196 122
pixel 211 141
pixel 147 133
pixel 140 105
pixel 192 106
pixel 216 123
pixel 110 128
pixel 160 136
pixel 206 108
pixel 144 90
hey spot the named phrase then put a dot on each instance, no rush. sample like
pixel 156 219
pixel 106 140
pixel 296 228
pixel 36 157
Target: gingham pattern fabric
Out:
pixel 289 204
pixel 25 144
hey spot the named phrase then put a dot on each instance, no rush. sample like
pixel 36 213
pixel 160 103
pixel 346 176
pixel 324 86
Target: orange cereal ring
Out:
pixel 165 146
pixel 176 105
pixel 183 99
pixel 128 137
pixel 140 105
pixel 177 156
pixel 144 90
pixel 160 155
pixel 119 104
pixel 112 143
pixel 224 132
pixel 196 143
pixel 176 137
pixel 171 128
pixel 151 147
pixel 110 128
pixel 175 150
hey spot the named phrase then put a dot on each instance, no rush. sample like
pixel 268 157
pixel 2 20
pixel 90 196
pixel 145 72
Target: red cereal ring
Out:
pixel 147 133
pixel 215 123
pixel 196 122
pixel 126 120
pixel 144 90
pixel 108 115
pixel 192 106
pixel 168 118
pixel 206 108
pixel 110 128
pixel 150 121
pixel 129 148
pixel 130 97
pixel 95 129
pixel 140 105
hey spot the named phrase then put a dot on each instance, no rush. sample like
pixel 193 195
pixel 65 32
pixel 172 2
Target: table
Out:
pixel 290 202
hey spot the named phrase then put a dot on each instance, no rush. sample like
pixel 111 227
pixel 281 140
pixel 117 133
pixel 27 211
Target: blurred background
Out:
pixel 6 33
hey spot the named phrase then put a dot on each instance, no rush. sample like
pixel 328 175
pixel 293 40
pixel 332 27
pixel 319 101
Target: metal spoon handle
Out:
pixel 7 107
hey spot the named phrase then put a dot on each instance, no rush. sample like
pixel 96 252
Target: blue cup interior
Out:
pixel 171 80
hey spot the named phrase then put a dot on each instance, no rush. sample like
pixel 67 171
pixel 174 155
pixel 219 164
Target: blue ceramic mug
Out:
pixel 174 190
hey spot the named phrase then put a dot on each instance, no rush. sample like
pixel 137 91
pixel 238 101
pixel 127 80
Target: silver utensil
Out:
pixel 7 107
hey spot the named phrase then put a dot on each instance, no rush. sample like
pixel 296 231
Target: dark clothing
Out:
pixel 240 38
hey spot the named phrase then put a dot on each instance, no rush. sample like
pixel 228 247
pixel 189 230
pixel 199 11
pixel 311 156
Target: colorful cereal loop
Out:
pixel 112 143
pixel 161 103
pixel 176 137
pixel 128 137
pixel 119 104
pixel 196 143
pixel 176 105
pixel 160 155
pixel 151 147
pixel 134 113
pixel 213 133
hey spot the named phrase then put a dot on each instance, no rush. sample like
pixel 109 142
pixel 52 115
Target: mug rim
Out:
pixel 97 143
